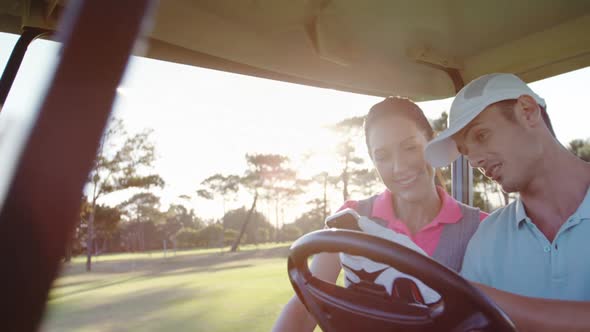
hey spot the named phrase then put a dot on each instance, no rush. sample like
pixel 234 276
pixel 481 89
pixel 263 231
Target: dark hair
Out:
pixel 397 106
pixel 507 109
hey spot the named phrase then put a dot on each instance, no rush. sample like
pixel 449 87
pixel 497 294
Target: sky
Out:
pixel 205 121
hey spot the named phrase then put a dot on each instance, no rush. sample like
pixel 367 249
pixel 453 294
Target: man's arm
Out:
pixel 538 315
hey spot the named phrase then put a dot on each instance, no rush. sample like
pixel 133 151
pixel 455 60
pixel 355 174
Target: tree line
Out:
pixel 125 164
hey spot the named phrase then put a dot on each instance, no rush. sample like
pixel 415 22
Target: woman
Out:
pixel 396 133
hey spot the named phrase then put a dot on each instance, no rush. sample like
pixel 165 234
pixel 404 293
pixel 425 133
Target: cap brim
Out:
pixel 442 150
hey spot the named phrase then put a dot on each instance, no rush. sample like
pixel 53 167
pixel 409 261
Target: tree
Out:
pixel 142 212
pixel 365 181
pixel 349 131
pixel 177 218
pixel 278 182
pixel 291 232
pixel 256 229
pixel 313 219
pixel 440 124
pixel 219 185
pixel 323 179
pixel 106 222
pixel 264 171
pixel 118 167
pixel 580 148
pixel 106 227
pixel 187 238
pixel 210 235
pixel 222 186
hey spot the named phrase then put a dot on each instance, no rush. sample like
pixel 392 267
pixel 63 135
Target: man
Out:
pixel 533 255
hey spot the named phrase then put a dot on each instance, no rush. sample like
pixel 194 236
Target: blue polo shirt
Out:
pixel 510 253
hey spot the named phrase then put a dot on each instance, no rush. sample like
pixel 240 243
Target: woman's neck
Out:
pixel 417 214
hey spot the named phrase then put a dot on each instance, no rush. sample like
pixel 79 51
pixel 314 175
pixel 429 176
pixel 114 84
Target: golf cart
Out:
pixel 424 50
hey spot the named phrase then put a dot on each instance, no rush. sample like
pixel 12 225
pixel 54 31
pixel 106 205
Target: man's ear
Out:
pixel 528 112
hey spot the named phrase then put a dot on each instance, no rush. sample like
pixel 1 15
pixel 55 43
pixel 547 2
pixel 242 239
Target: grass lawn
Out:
pixel 197 290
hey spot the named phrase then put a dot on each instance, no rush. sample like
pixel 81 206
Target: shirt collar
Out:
pixel 520 213
pixel 383 207
pixel 449 213
pixel 583 210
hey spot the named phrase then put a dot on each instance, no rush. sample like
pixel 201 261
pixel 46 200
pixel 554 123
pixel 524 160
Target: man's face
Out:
pixel 497 146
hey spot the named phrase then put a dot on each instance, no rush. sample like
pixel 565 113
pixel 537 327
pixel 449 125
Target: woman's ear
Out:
pixel 528 112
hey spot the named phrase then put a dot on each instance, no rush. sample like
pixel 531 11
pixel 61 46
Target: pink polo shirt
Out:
pixel 428 236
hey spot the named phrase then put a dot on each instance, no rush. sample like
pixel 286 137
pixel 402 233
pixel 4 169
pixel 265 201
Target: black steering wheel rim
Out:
pixel 464 306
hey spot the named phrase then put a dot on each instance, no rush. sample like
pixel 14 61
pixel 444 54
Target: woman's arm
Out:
pixel 538 315
pixel 294 317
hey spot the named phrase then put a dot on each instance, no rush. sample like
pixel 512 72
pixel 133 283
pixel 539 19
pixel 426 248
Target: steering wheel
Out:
pixel 462 307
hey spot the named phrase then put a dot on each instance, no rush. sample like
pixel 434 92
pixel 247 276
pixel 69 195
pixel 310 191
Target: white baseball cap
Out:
pixel 468 104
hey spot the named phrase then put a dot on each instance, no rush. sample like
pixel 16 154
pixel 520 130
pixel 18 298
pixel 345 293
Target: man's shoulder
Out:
pixel 496 225
pixel 501 216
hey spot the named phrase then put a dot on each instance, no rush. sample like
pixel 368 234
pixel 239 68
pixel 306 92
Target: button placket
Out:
pixel 558 260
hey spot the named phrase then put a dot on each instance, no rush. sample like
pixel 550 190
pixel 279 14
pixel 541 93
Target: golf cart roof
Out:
pixel 421 49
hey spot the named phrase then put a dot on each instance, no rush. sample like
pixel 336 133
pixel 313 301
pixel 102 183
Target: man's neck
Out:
pixel 558 189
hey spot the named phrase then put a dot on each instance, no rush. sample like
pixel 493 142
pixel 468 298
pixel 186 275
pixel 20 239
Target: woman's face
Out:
pixel 396 147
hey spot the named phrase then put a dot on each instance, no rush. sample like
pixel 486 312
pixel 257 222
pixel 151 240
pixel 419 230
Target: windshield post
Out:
pixel 16 58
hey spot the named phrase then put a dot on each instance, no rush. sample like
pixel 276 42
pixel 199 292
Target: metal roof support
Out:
pixel 462 180
pixel 16 58
pixel 461 171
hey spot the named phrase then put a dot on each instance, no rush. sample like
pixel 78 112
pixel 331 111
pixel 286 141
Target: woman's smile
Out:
pixel 406 180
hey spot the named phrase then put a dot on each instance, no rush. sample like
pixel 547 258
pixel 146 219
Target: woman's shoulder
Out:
pixel 473 211
pixel 349 204
pixel 354 204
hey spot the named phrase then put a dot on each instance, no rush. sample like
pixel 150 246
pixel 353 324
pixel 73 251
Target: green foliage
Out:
pixel 106 228
pixel 176 218
pixel 229 236
pixel 235 218
pixel 266 170
pixel 440 124
pixel 122 162
pixel 350 132
pixel 119 167
pixel 263 235
pixel 106 220
pixel 141 236
pixel 142 207
pixel 142 214
pixel 291 232
pixel 580 148
pixel 311 220
pixel 219 184
pixel 187 238
pixel 210 236
pixel 365 182
pixel 269 177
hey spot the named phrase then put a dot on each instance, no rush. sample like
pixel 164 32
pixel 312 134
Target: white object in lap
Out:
pixel 386 278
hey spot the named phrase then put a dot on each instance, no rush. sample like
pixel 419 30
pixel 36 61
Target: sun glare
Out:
pixel 204 122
